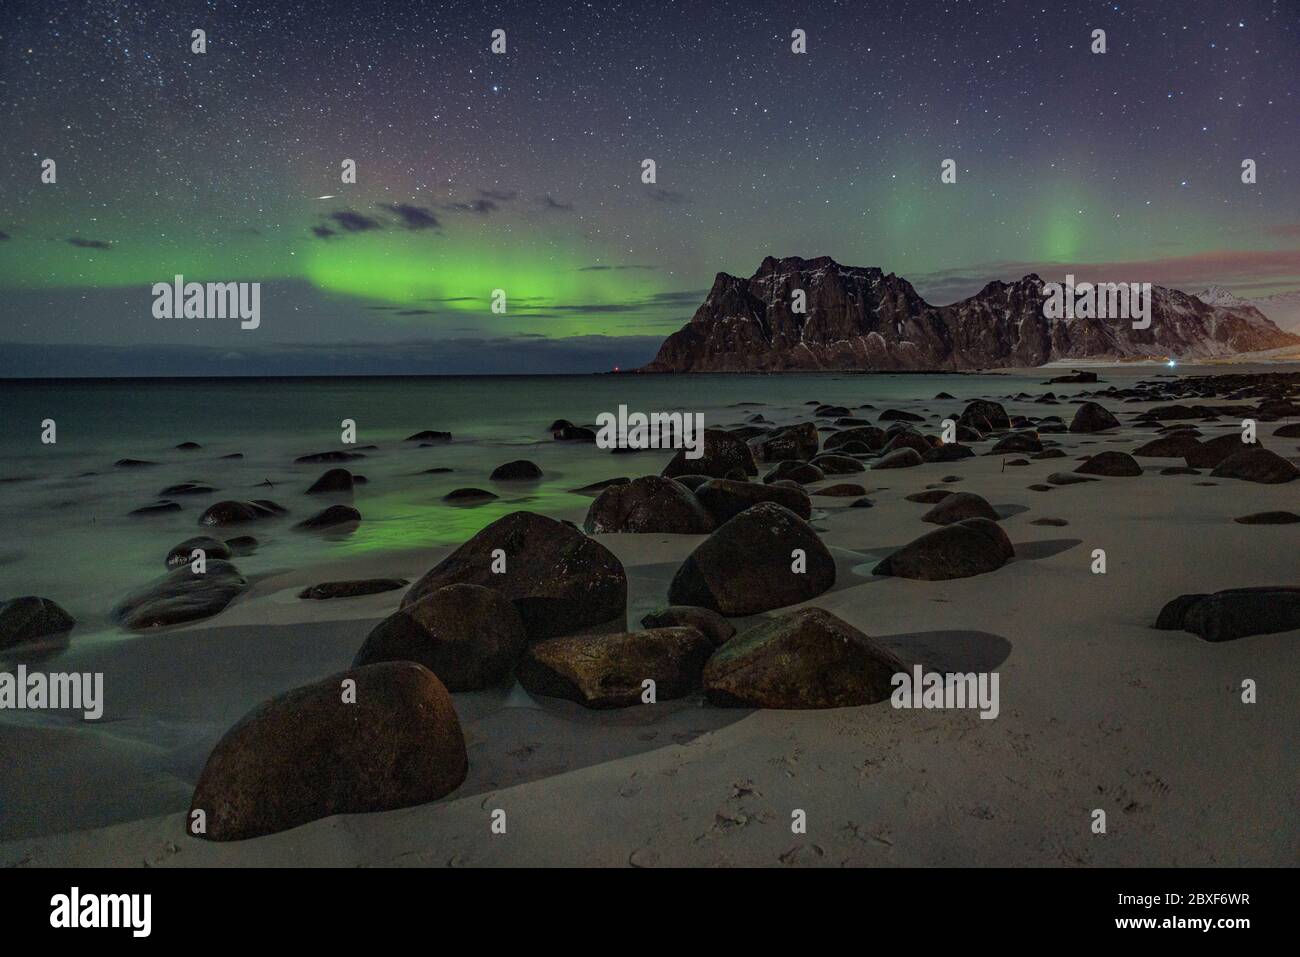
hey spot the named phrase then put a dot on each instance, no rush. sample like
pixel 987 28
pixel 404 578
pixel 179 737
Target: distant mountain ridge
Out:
pixel 1282 309
pixel 863 318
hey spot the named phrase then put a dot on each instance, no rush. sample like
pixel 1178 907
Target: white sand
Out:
pixel 1098 710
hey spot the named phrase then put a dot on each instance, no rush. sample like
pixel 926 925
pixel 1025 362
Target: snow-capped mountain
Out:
pixel 863 318
pixel 1283 308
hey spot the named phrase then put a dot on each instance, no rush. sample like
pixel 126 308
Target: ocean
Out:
pixel 64 506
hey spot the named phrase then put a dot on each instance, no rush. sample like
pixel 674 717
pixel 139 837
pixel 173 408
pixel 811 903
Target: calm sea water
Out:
pixel 64 507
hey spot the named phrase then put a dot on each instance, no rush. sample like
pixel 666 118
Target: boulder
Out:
pixel 1017 442
pixel 949 452
pixel 706 621
pixel 559 579
pixel 747 565
pixel 180 596
pixel 722 453
pixel 648 504
pixel 182 554
pixel 1093 417
pixel 1269 518
pixel 429 435
pixel 1211 452
pixel 1254 463
pixel 352 588
pixel 899 459
pixel 471 637
pixel 794 471
pixel 970 547
pixel 794 442
pixel 842 490
pixel 333 481
pixel 985 415
pixel 332 517
pixel 831 464
pixel 29 618
pixel 1174 445
pixel 1110 463
pixel 725 499
pixel 469 496
pixel 238 513
pixel 520 470
pixel 394 741
pixel 958 507
pixel 1234 613
pixel 607 671
pixel 870 436
pixel 807 658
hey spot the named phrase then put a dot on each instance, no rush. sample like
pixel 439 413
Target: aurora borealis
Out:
pixel 522 170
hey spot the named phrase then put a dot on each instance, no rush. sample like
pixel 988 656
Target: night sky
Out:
pixel 522 170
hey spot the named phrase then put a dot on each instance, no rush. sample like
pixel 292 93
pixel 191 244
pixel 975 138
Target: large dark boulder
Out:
pixel 899 459
pixel 1110 463
pixel 831 464
pixel 559 579
pixel 747 565
pixel 949 452
pixel 807 658
pixel 648 504
pixel 1093 417
pixel 1254 463
pixel 869 435
pixel 723 453
pixel 469 636
pixel 180 596
pixel 239 513
pixel 725 499
pixel 793 442
pixel 794 471
pixel 183 553
pixel 520 470
pixel 393 741
pixel 1021 442
pixel 1211 452
pixel 984 415
pixel 958 507
pixel 29 618
pixel 608 671
pixel 970 547
pixel 708 622
pixel 1234 613
pixel 1175 445
pixel 332 517
pixel 333 481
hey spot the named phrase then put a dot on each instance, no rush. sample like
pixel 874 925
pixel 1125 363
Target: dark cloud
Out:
pixel 599 268
pixel 414 312
pixel 4 235
pixel 550 202
pixel 499 195
pixel 322 232
pixel 81 243
pixel 351 221
pixel 480 206
pixel 668 196
pixel 413 217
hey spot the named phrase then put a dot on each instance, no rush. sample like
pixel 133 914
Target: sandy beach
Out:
pixel 1098 709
